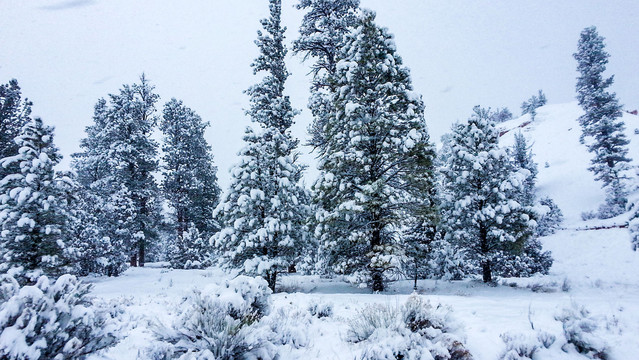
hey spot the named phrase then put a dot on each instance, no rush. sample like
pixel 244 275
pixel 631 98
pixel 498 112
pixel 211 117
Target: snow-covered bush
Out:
pixel 549 222
pixel 416 330
pixel 288 326
pixel 218 323
pixel 422 317
pixel 401 343
pixel 522 346
pixel 246 296
pixel 320 309
pixel 52 320
pixel 371 318
pixel 582 332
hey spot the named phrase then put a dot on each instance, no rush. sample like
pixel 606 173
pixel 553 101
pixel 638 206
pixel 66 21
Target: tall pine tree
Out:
pixel 264 210
pixel 481 189
pixel 190 178
pixel 117 166
pixel 14 114
pixel 322 32
pixel 600 121
pixel 377 162
pixel 33 217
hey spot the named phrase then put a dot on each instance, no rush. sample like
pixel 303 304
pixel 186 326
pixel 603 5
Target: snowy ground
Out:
pixel 598 266
pixel 593 268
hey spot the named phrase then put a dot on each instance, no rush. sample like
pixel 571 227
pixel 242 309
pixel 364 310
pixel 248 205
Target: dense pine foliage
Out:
pixel 33 215
pixel 190 182
pixel 376 165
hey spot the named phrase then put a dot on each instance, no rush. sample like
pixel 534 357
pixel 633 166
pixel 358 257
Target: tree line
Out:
pixel 386 202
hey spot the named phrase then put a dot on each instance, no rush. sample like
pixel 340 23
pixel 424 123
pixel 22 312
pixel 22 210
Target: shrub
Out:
pixel 371 318
pixel 319 309
pixel 415 330
pixel 52 320
pixel 581 331
pixel 288 326
pixel 522 346
pixel 401 343
pixel 218 323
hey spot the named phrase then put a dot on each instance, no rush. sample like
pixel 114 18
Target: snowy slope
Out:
pixel 563 162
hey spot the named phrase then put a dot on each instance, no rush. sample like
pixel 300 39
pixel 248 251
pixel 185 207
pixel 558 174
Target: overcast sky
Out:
pixel 67 54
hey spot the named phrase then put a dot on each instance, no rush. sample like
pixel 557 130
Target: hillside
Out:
pixel 563 162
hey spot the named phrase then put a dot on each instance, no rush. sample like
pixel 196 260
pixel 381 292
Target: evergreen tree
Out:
pixel 190 180
pixel 321 37
pixel 14 114
pixel 264 210
pixel 481 190
pixel 501 115
pixel 600 121
pixel 549 222
pixel 522 158
pixel 32 213
pixel 189 251
pixel 530 106
pixel 377 163
pixel 117 167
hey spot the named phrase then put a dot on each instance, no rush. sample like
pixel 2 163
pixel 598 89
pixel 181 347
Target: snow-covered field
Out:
pixel 593 268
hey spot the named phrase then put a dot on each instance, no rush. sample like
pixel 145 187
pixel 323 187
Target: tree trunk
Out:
pixel 485 265
pixel 415 284
pixel 181 225
pixel 271 279
pixel 487 274
pixel 133 260
pixel 377 274
pixel 141 253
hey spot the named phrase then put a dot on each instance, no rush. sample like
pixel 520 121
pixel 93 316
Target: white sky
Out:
pixel 68 53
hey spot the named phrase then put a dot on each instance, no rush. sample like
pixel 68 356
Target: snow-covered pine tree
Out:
pixel 522 158
pixel 117 166
pixel 481 188
pixel 501 115
pixel 262 214
pixel 32 212
pixel 321 37
pixel 530 106
pixel 377 163
pixel 14 114
pixel 600 121
pixel 190 251
pixel 190 178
